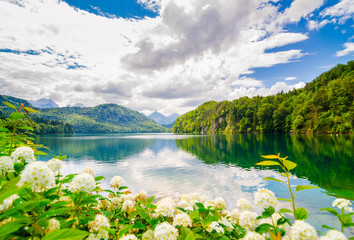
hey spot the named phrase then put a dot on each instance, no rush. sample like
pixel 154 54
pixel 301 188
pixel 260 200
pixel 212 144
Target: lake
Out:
pixel 167 165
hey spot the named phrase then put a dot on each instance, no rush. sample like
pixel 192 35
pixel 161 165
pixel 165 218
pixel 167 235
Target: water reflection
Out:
pixel 326 161
pixel 168 165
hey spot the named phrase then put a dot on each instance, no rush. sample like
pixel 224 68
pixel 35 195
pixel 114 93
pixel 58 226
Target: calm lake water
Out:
pixel 167 165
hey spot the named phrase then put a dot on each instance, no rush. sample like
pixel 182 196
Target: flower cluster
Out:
pixel 83 182
pixel 165 231
pixel 25 154
pixel 38 175
pixel 55 164
pixel 342 203
pixel 265 198
pixel 6 164
pixel 301 230
pixel 117 181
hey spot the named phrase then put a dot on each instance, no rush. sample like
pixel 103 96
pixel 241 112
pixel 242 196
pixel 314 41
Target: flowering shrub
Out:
pixel 37 204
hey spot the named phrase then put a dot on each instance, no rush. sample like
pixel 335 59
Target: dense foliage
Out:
pixel 324 105
pixel 105 118
pixel 42 126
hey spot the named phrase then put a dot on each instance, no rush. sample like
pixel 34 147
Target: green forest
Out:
pixel 324 105
pixel 41 126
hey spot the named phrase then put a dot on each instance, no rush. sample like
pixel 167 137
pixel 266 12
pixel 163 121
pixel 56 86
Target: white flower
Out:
pixel 235 216
pixel 265 198
pixel 182 219
pixel 39 175
pixel 82 182
pixel 141 196
pixel 55 164
pixel 129 237
pixel 101 234
pixel 54 224
pixel 128 206
pixel 244 205
pixel 117 181
pixel 165 231
pixel 182 204
pixel 342 203
pixel 6 164
pixel 99 222
pixel 248 220
pixel 215 226
pixel 148 235
pixel 7 203
pixel 219 203
pixel 253 236
pixel 23 154
pixel 128 196
pixel 302 231
pixel 116 202
pixel 165 207
pixel 333 235
pixel 89 170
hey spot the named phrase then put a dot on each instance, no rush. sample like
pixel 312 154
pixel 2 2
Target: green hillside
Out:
pixel 105 118
pixel 324 105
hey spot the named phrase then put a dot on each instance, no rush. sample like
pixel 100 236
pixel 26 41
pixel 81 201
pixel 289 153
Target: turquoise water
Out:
pixel 167 165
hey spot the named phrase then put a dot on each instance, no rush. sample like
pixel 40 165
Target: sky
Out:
pixel 168 55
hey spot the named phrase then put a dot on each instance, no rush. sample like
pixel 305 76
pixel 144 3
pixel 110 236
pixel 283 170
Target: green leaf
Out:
pixel 17 115
pixel 268 163
pixel 9 189
pixel 325 226
pixel 270 156
pixel 289 164
pixel 263 228
pixel 125 230
pixel 284 199
pixel 194 215
pixel 30 109
pixel 10 105
pixel 301 214
pixel 285 210
pixel 10 227
pixel 66 234
pixel 40 153
pixel 26 128
pixel 139 225
pixel 150 199
pixel 304 187
pixel 205 223
pixel 190 236
pixel 330 210
pixel 4 129
pixel 99 178
pixel 272 179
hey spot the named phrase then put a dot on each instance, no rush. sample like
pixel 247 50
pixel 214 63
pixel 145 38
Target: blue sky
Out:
pixel 168 55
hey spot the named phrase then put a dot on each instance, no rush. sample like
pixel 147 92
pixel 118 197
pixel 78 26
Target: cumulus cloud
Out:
pixel 343 10
pixel 349 48
pixel 192 52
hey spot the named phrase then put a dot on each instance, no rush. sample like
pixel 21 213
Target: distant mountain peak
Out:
pixel 44 103
pixel 162 119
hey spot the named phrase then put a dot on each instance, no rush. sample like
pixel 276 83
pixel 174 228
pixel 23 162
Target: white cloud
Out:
pixel 194 51
pixel 290 78
pixel 314 25
pixel 301 8
pixel 153 5
pixel 349 48
pixel 344 10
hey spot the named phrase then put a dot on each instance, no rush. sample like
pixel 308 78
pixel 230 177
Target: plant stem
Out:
pixel 291 193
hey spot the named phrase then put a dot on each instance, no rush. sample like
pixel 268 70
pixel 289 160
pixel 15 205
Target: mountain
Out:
pixel 324 105
pixel 76 105
pixel 105 118
pixel 43 103
pixel 162 119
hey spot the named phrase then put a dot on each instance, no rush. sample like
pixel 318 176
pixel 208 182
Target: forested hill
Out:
pixel 105 118
pixel 324 105
pixel 42 126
